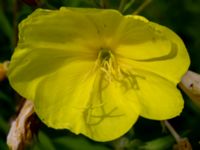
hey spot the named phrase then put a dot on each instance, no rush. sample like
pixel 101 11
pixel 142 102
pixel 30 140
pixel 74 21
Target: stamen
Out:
pixel 106 61
pixel 110 71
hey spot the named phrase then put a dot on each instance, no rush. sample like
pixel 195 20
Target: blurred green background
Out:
pixel 182 16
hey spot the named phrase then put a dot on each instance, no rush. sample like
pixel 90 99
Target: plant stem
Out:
pixel 121 5
pixel 103 3
pixel 176 136
pixel 142 7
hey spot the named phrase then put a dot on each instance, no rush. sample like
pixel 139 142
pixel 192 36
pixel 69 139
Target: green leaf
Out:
pixel 45 142
pixel 128 5
pixel 162 143
pixel 4 127
pixel 78 144
pixel 5 98
pixel 3 145
pixel 5 25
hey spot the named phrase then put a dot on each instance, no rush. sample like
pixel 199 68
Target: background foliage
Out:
pixel 182 16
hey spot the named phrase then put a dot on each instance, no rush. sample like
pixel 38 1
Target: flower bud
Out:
pixel 3 70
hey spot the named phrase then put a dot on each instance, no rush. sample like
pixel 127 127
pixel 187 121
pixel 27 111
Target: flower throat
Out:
pixel 112 71
pixel 107 63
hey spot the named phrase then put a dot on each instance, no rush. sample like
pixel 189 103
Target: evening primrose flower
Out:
pixel 95 71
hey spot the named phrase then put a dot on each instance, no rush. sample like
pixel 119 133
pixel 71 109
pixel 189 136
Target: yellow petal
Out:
pixel 152 47
pixel 51 65
pixel 105 22
pixel 54 65
pixel 82 102
pixel 29 66
pixel 50 39
pixel 159 98
pixel 57 29
pixel 61 97
pixel 113 110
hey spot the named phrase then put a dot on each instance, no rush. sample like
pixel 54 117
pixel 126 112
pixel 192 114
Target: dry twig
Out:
pixel 182 143
pixel 190 84
pixel 20 132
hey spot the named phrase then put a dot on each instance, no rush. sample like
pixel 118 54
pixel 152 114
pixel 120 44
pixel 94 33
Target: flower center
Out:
pixel 112 71
pixel 107 63
pixel 105 54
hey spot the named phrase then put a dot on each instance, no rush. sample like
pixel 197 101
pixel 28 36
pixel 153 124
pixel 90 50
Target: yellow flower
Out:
pixel 95 71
